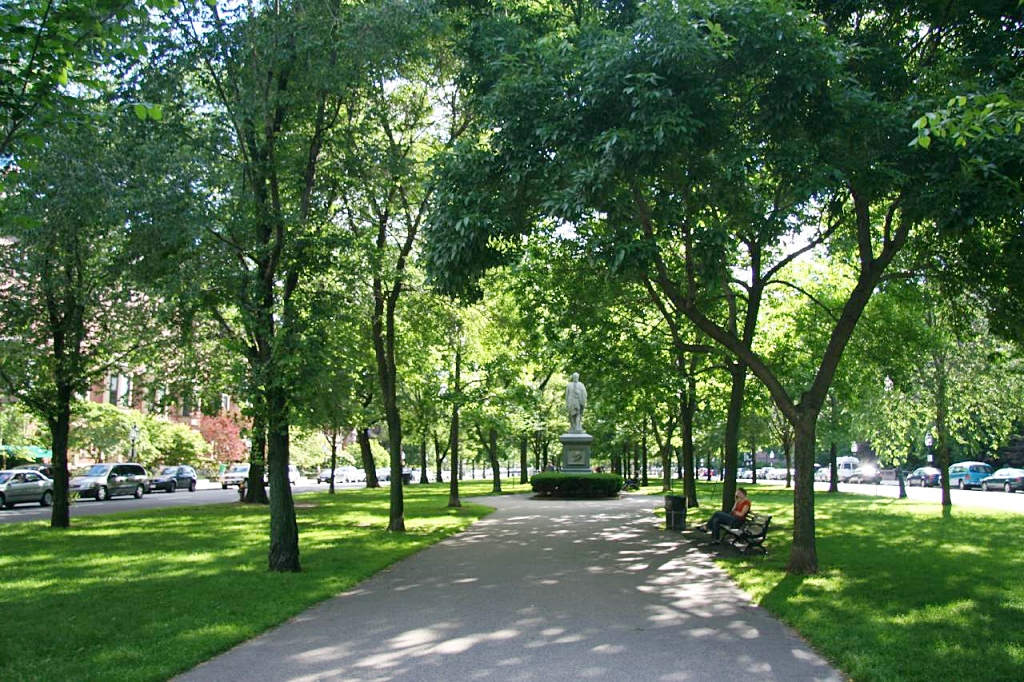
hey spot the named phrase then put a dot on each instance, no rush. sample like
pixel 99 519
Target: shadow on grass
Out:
pixel 905 590
pixel 138 596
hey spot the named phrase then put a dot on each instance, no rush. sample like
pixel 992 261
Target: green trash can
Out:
pixel 675 512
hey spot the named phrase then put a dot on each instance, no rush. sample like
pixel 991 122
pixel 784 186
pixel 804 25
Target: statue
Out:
pixel 575 401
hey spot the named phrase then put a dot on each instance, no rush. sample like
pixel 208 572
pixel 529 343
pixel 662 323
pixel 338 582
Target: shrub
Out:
pixel 557 484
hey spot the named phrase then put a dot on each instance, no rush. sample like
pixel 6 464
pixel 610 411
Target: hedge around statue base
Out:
pixel 576 486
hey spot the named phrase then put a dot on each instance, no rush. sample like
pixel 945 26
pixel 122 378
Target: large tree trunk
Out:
pixel 255 492
pixel 424 464
pixel 383 332
pixel 524 464
pixel 686 414
pixel 643 457
pixel 440 455
pixel 833 468
pixel 366 455
pixel 333 441
pixel 453 486
pixel 942 435
pixel 803 557
pixel 60 427
pixel 732 433
pixel 492 458
pixel 284 529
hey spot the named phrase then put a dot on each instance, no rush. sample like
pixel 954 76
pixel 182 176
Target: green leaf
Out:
pixel 140 111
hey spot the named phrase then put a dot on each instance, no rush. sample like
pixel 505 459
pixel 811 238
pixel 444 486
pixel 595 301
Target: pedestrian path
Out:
pixel 539 590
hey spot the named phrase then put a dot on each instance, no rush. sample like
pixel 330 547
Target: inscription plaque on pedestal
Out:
pixel 576 452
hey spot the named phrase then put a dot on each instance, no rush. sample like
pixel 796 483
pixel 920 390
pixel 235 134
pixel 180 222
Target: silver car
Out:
pixel 104 481
pixel 25 485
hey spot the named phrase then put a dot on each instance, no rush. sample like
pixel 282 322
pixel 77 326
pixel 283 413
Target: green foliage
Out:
pixel 102 431
pixel 558 484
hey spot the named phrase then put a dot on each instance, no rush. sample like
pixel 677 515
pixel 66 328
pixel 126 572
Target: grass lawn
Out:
pixel 145 596
pixel 902 593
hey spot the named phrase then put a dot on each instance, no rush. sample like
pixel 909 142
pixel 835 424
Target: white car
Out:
pixel 234 476
pixel 240 472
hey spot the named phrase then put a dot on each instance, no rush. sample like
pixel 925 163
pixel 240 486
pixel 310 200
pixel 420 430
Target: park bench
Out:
pixel 750 535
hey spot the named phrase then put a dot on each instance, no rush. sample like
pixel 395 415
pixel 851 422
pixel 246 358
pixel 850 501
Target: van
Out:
pixel 968 474
pixel 845 466
pixel 103 481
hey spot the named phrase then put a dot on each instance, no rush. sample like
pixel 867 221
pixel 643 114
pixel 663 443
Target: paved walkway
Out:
pixel 540 590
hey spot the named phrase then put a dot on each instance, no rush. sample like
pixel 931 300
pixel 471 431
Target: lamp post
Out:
pixel 133 436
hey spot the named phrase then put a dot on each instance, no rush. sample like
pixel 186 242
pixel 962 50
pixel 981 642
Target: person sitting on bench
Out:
pixel 733 518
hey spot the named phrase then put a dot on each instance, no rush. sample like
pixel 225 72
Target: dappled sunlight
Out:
pixel 573 594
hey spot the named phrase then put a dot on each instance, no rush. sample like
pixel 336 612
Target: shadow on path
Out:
pixel 538 590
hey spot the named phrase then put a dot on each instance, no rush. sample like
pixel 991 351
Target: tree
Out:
pixel 276 87
pixel 49 50
pixel 695 142
pixel 69 293
pixel 224 434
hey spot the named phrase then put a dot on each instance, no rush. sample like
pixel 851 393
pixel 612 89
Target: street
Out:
pixel 207 493
pixel 211 493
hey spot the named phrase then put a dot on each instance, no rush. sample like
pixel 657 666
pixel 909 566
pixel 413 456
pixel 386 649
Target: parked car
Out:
pixel 744 473
pixel 924 477
pixel 968 474
pixel 240 472
pixel 845 466
pixel 174 477
pixel 234 476
pixel 1007 479
pixel 103 481
pixel 865 474
pixel 25 485
pixel 776 474
pixel 823 474
pixel 44 469
pixel 325 476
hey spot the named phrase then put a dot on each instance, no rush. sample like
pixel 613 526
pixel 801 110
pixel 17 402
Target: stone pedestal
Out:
pixel 576 452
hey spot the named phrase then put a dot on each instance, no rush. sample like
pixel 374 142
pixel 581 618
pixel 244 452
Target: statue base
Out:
pixel 576 452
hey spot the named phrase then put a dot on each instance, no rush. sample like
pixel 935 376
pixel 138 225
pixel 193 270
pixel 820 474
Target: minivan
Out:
pixel 103 481
pixel 845 466
pixel 968 474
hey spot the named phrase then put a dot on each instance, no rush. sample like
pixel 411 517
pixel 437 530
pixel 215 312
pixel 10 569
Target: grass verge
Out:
pixel 902 593
pixel 145 596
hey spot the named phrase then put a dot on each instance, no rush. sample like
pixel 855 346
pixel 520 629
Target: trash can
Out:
pixel 675 512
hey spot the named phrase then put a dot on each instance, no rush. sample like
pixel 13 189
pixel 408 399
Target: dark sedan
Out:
pixel 924 476
pixel 171 478
pixel 1008 480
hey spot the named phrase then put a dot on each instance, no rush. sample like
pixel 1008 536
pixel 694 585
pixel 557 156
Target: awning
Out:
pixel 26 451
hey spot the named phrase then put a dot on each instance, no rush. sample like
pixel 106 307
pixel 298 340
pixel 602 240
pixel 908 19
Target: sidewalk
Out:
pixel 539 590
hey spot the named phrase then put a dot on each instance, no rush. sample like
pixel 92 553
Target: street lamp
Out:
pixel 133 436
pixel 928 441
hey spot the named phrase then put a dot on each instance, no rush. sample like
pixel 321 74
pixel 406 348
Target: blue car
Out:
pixel 968 474
pixel 1008 480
